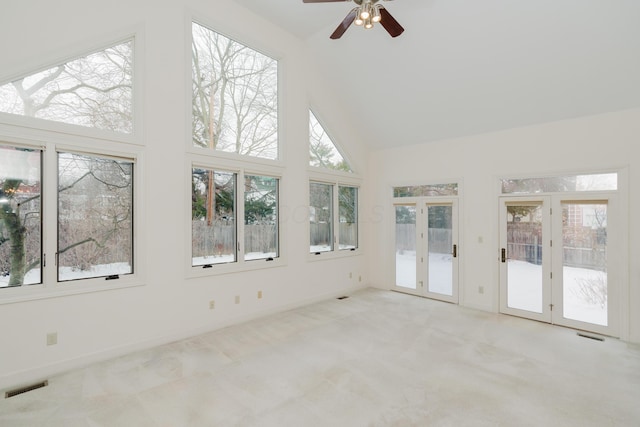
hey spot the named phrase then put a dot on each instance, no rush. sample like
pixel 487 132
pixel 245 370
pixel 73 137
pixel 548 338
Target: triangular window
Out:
pixel 95 91
pixel 322 151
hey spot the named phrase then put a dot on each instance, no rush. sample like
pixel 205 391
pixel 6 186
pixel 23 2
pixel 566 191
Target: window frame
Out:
pixel 51 287
pixel 241 169
pixel 133 260
pixel 336 179
pixel 51 137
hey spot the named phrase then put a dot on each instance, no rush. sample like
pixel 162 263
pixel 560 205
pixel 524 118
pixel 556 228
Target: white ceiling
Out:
pixel 464 67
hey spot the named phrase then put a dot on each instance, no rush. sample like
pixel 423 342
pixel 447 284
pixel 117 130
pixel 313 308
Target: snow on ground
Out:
pixel 67 273
pixel 524 290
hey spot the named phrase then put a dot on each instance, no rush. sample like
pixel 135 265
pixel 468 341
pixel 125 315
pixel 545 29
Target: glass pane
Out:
pixel 556 184
pixel 20 217
pixel 406 246
pixel 95 216
pixel 430 190
pixel 440 243
pixel 322 151
pixel 234 96
pixel 94 91
pixel 213 221
pixel 584 262
pixel 320 217
pixel 260 217
pixel 348 213
pixel 524 252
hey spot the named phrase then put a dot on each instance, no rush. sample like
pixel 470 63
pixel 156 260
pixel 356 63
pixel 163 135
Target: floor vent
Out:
pixel 28 388
pixel 343 297
pixel 591 337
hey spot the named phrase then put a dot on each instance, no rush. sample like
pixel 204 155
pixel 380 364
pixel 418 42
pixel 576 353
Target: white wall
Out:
pixel 93 326
pixel 608 141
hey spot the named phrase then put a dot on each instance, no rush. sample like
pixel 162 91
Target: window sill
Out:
pixel 233 267
pixel 344 253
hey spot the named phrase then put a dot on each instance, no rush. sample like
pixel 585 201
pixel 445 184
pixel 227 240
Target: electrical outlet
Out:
pixel 237 299
pixel 350 275
pixel 212 304
pixel 52 338
pixel 481 289
pixel 259 294
pixel 359 278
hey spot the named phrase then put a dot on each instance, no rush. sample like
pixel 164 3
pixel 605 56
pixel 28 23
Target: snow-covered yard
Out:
pixel 525 291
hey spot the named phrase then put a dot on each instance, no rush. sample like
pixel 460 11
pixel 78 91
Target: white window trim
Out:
pixel 241 168
pixel 50 287
pixel 340 179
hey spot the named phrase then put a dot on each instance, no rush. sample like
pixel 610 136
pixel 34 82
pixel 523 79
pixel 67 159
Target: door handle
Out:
pixel 455 251
pixel 503 255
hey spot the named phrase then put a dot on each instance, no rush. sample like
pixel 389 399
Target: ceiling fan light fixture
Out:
pixel 368 24
pixel 377 17
pixel 365 11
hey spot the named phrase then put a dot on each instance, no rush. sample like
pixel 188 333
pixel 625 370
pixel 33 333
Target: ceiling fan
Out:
pixel 365 14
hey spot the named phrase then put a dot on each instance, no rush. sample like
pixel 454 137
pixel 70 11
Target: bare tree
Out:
pixel 93 91
pixel 234 96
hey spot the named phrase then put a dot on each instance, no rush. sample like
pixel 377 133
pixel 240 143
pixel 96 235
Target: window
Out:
pixel 67 214
pixel 260 217
pixel 214 208
pixel 555 184
pixel 324 236
pixel 93 211
pixel 94 91
pixel 213 217
pixel 20 216
pixel 95 217
pixel 348 216
pixel 429 190
pixel 323 153
pixel 234 96
pixel 321 217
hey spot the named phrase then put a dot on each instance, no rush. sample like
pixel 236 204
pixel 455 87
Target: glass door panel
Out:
pixel 584 262
pixel 440 244
pixel 406 246
pixel 524 257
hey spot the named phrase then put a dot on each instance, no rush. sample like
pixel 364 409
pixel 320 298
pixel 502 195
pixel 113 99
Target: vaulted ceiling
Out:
pixel 464 67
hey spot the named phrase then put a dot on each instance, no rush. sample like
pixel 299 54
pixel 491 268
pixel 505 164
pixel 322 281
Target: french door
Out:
pixel 426 250
pixel 558 260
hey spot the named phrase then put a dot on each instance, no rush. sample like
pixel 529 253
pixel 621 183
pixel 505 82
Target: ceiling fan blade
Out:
pixel 389 23
pixel 322 1
pixel 344 25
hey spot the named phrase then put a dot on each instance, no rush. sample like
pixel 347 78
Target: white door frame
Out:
pixel 552 259
pixel 421 205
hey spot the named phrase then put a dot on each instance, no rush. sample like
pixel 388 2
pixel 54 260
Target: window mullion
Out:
pixel 49 193
pixel 240 222
pixel 336 217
